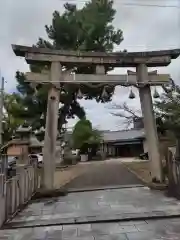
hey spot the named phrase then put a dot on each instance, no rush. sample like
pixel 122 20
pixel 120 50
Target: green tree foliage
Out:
pixel 167 108
pixel 10 124
pixel 84 136
pixel 82 133
pixel 86 29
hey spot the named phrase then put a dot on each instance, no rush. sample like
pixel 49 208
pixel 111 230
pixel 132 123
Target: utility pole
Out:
pixel 1 107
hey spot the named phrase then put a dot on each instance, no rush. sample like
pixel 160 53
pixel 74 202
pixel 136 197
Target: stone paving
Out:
pixel 96 206
pixel 114 214
pixel 133 230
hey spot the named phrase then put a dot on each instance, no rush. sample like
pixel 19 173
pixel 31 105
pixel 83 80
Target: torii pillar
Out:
pixel 149 123
pixel 51 128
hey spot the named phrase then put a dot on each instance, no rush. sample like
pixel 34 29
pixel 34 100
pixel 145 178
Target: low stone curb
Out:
pixel 125 217
pixel 59 167
pixel 43 194
pixel 91 189
pixel 151 185
pixel 62 191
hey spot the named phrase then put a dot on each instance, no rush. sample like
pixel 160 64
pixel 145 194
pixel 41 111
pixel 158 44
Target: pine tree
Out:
pixel 86 29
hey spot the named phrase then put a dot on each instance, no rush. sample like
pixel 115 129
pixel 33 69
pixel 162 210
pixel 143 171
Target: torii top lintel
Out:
pixel 115 59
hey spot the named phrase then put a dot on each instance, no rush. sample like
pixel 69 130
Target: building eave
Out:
pixel 124 140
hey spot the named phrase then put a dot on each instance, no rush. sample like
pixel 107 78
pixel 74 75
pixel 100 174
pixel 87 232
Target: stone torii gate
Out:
pixel 141 79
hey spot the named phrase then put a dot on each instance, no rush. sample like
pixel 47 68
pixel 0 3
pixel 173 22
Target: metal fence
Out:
pixel 173 173
pixel 18 190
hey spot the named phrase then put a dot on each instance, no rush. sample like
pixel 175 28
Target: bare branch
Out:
pixel 122 115
pixel 123 110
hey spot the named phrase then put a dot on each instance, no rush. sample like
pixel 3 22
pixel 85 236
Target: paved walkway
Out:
pixel 137 230
pixel 104 173
pixel 115 214
pixel 126 213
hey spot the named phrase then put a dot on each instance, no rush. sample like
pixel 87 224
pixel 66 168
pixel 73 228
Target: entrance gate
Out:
pixel 141 79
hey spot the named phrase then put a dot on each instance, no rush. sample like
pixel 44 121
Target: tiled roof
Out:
pixel 24 129
pixel 34 142
pixel 125 135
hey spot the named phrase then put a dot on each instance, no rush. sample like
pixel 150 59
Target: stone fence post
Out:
pixel 2 199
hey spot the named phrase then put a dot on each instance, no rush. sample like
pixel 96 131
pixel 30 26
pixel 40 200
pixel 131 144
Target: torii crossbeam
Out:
pixel 126 79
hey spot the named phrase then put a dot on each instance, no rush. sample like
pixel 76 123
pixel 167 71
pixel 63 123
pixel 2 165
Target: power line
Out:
pixel 129 4
pixel 150 5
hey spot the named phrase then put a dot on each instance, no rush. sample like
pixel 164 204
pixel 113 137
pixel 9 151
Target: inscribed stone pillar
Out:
pixel 51 128
pixel 149 124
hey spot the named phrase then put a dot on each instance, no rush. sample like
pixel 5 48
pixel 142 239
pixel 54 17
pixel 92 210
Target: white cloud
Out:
pixel 145 28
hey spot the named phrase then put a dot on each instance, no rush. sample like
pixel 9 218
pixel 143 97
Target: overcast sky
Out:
pixel 144 28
